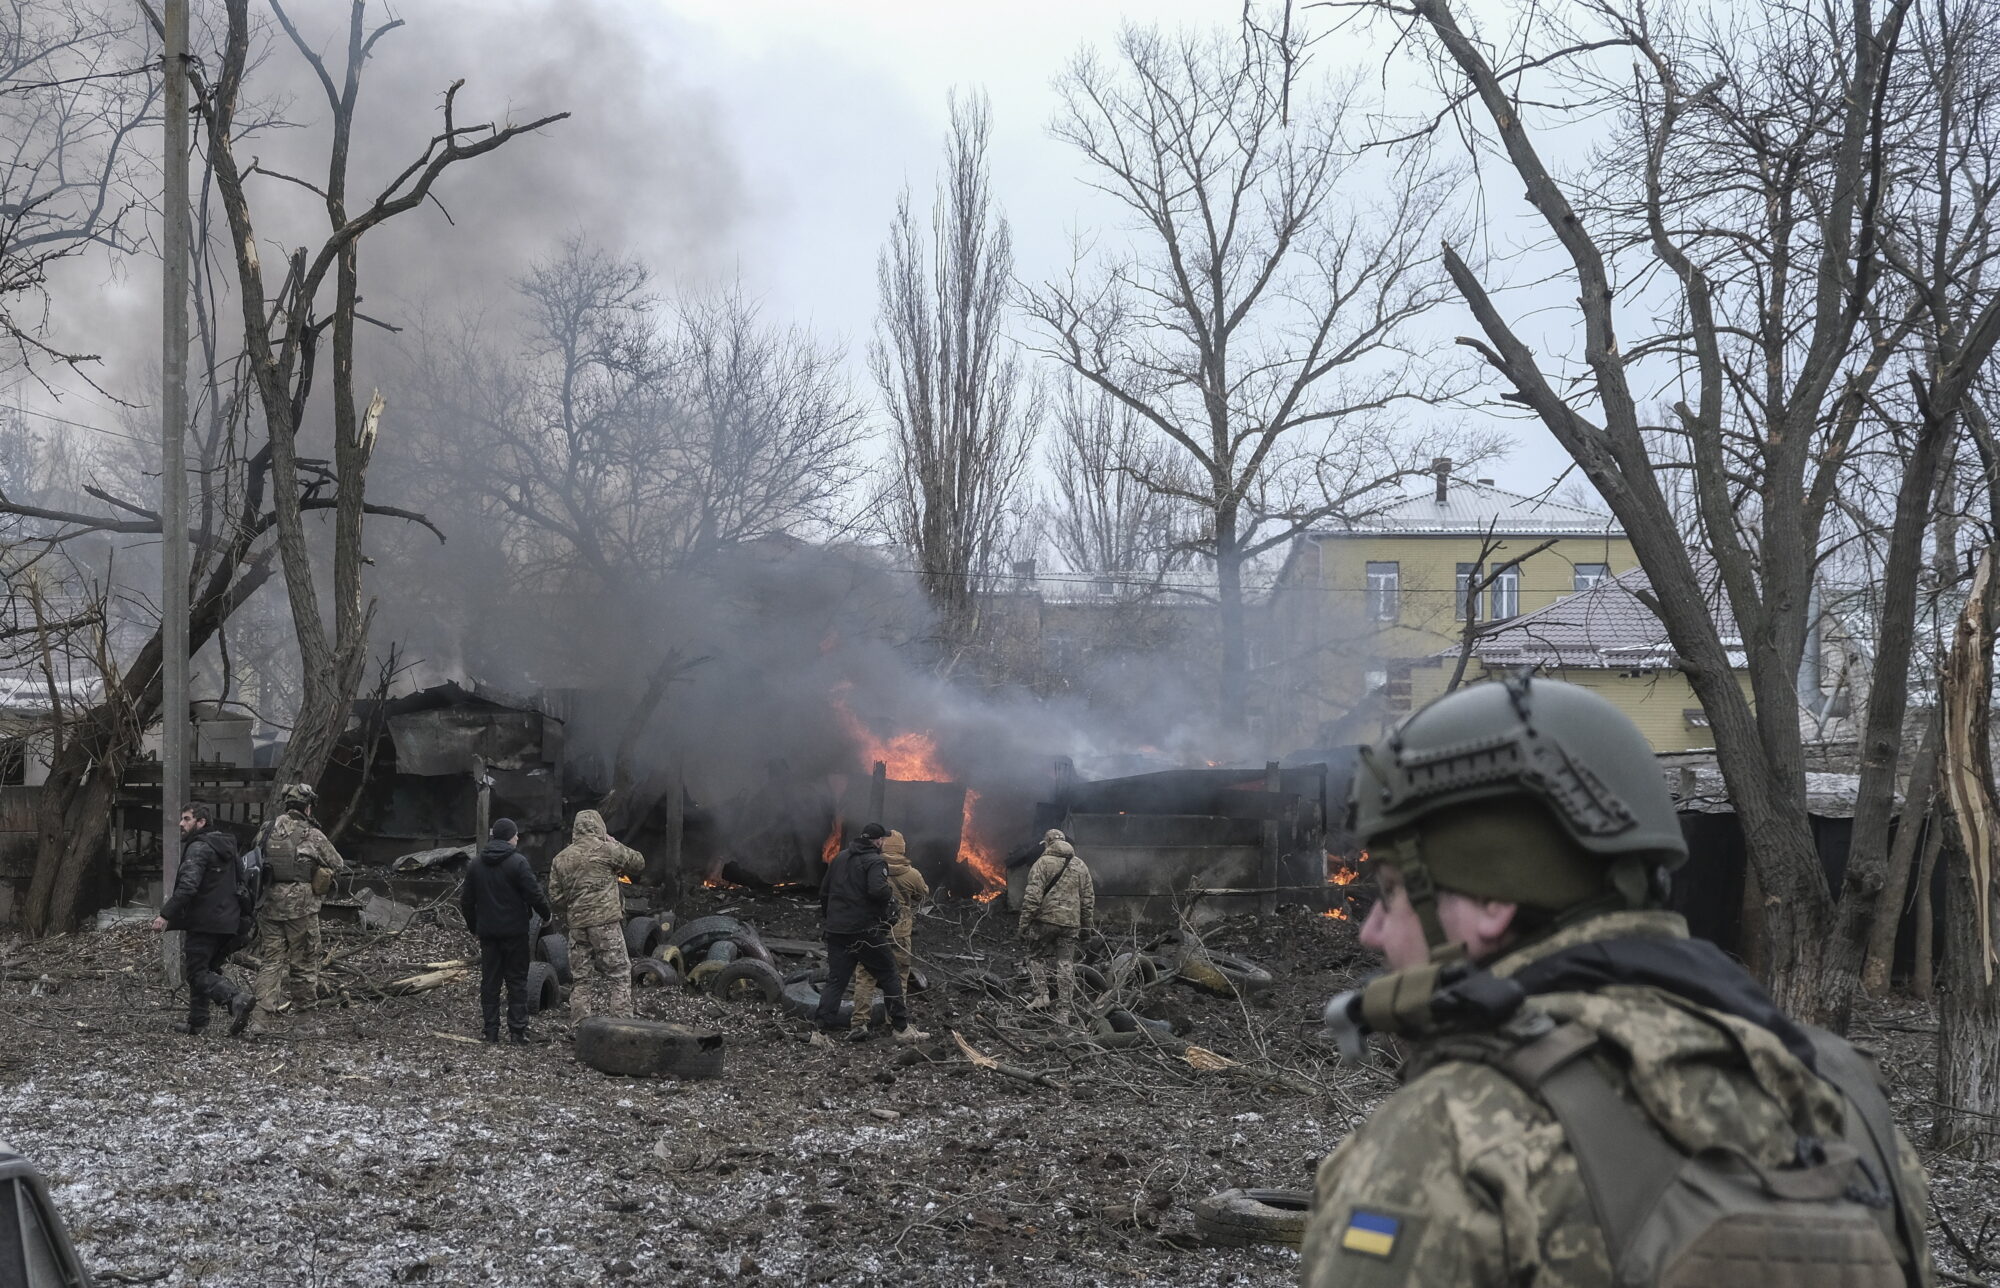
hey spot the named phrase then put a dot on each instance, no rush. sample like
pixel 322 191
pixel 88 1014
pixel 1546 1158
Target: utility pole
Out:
pixel 173 468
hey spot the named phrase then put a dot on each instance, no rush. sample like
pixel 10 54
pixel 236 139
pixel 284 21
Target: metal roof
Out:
pixel 1607 627
pixel 1474 508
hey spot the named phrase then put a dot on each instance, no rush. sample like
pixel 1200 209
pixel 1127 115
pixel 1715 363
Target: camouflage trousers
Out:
pixel 290 951
pixel 865 985
pixel 1052 950
pixel 603 972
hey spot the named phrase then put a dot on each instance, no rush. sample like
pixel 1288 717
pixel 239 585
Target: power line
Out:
pixel 76 424
pixel 22 87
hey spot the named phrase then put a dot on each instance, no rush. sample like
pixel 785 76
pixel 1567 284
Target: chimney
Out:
pixel 1484 482
pixel 1442 468
pixel 1024 571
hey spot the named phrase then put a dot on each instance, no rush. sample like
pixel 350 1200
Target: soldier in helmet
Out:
pixel 301 863
pixel 1058 903
pixel 1591 1098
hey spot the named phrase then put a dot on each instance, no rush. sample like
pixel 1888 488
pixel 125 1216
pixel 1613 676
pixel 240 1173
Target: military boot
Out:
pixel 241 1008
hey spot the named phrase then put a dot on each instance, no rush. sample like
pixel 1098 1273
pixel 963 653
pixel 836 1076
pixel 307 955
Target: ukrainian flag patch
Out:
pixel 1372 1233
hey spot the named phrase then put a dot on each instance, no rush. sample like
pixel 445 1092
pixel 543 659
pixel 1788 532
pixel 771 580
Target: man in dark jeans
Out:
pixel 204 906
pixel 859 906
pixel 500 891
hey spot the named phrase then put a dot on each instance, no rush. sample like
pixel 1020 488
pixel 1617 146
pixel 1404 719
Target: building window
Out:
pixel 1506 593
pixel 1588 575
pixel 1384 588
pixel 1464 603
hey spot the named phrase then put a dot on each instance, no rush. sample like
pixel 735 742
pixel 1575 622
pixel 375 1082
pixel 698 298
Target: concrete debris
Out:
pixel 382 914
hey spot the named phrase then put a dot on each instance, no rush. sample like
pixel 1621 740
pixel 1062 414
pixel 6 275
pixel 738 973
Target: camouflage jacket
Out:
pixel 583 880
pixel 292 834
pixel 1059 896
pixel 908 883
pixel 1462 1177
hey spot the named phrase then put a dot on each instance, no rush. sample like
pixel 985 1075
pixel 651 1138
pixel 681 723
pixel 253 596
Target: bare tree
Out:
pixel 951 381
pixel 1736 217
pixel 629 443
pixel 1103 518
pixel 1259 320
pixel 75 86
pixel 255 488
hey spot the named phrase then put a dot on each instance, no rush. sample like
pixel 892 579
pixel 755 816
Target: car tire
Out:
pixel 555 951
pixel 1131 969
pixel 639 934
pixel 647 1048
pixel 801 998
pixel 1240 1218
pixel 1225 975
pixel 651 972
pixel 747 979
pixel 544 989
pixel 1090 979
pixel 694 938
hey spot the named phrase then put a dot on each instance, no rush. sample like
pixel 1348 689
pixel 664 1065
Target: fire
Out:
pixel 974 854
pixel 1342 876
pixel 624 880
pixel 911 757
pixel 831 845
pixel 1337 914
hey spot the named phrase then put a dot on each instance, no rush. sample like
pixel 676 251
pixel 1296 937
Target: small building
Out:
pixel 1603 638
pixel 1355 600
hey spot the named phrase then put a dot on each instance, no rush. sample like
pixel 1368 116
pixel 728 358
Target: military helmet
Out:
pixel 1528 790
pixel 298 796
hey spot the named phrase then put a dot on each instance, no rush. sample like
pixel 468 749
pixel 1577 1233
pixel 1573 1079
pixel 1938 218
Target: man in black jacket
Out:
pixel 858 907
pixel 500 891
pixel 205 906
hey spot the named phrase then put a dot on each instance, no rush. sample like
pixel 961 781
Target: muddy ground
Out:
pixel 373 1144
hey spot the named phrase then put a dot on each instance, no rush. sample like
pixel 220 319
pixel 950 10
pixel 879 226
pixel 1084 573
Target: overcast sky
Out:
pixel 762 138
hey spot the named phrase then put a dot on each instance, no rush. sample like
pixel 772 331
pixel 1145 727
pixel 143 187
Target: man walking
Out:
pixel 910 889
pixel 499 894
pixel 1058 903
pixel 1591 1098
pixel 301 863
pixel 205 908
pixel 858 906
pixel 583 882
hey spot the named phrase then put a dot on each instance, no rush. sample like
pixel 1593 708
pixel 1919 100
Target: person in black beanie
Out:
pixel 205 906
pixel 858 906
pixel 500 892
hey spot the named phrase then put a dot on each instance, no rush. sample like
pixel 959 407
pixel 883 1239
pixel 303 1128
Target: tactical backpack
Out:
pixel 1840 1214
pixel 253 876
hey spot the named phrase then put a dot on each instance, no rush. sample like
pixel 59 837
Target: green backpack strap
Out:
pixel 1625 1164
pixel 1874 1135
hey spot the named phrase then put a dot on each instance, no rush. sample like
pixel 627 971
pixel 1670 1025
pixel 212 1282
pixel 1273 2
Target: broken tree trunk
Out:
pixel 1968 1066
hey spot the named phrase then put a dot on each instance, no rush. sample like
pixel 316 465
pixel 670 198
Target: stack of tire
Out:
pixel 549 975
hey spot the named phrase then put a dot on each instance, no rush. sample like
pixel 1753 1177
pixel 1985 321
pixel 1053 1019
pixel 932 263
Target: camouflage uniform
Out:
pixel 1473 1178
pixel 911 889
pixel 288 941
pixel 1058 903
pixel 584 886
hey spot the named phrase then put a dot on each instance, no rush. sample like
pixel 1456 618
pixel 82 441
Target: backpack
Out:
pixel 253 878
pixel 1840 1213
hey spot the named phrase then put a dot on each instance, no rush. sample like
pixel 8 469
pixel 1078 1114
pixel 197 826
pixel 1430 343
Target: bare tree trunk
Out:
pixel 1968 1064
pixel 1923 970
pixel 1910 834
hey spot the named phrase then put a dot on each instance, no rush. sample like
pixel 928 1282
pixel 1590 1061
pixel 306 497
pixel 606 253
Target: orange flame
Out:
pixel 831 845
pixel 909 757
pixel 974 854
pixel 624 880
pixel 1337 914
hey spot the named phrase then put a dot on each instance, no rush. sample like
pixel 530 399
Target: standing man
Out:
pixel 910 889
pixel 583 882
pixel 499 894
pixel 858 905
pixel 301 862
pixel 204 906
pixel 1058 903
pixel 1591 1097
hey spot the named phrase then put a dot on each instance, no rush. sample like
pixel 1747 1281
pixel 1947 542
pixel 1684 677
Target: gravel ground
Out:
pixel 371 1143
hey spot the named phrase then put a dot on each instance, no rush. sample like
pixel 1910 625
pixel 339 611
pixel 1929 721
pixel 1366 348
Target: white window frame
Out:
pixel 1385 589
pixel 1504 594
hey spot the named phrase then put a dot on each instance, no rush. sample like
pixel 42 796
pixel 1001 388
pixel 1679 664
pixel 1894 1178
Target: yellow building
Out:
pixel 1357 607
pixel 1603 638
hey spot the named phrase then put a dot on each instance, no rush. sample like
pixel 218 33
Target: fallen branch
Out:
pixel 424 982
pixel 1007 1070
